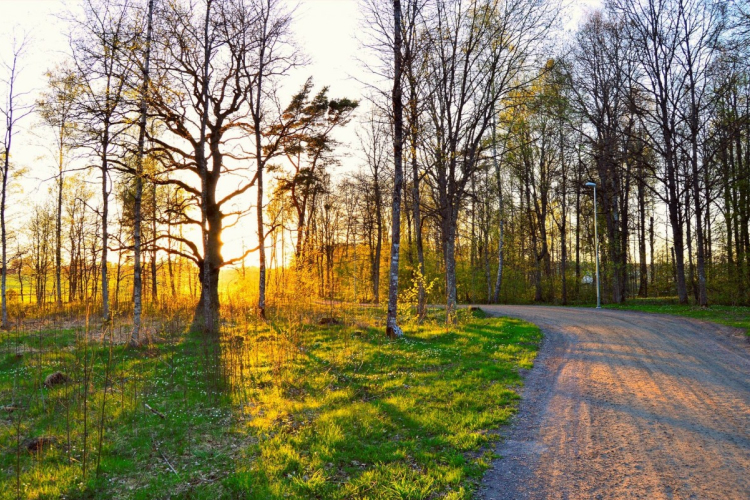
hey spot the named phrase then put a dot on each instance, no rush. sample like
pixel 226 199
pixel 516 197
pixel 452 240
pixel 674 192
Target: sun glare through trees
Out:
pixel 224 277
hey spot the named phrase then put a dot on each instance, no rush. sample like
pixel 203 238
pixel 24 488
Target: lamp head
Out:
pixel 590 184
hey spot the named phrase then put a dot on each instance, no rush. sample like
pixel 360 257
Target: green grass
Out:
pixel 735 316
pixel 286 410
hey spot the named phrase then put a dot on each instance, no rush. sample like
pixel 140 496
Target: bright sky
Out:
pixel 325 29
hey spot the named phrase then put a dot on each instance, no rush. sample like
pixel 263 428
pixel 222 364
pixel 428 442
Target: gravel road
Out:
pixel 623 404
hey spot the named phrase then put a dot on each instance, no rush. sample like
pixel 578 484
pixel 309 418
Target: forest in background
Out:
pixel 483 124
pixel 200 254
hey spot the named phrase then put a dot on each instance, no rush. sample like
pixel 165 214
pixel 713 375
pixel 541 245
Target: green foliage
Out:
pixel 408 299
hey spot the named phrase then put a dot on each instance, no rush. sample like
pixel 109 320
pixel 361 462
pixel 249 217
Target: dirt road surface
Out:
pixel 627 405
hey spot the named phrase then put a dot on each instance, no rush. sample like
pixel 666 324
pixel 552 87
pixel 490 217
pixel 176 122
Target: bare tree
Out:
pixel 56 109
pixel 600 74
pixel 481 51
pixel 100 42
pixel 266 54
pixel 40 229
pixel 701 27
pixel 373 141
pixel 13 110
pixel 217 69
pixel 392 328
pixel 655 30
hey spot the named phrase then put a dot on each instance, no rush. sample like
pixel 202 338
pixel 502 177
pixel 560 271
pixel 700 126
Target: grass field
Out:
pixel 288 409
pixel 735 316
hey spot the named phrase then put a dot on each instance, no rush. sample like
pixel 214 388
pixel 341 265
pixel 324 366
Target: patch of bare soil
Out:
pixel 623 404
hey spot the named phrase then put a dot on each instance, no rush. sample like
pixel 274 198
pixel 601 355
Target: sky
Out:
pixel 326 30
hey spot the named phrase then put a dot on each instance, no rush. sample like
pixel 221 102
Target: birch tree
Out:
pixel 138 198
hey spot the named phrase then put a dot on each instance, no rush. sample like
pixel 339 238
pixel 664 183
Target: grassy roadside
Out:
pixel 735 316
pixel 293 409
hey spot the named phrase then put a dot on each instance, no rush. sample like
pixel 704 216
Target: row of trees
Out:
pixel 484 125
pixel 183 96
pixel 649 100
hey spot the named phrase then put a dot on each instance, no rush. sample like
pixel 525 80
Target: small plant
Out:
pixel 408 300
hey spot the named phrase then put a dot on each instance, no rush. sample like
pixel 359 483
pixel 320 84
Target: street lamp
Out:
pixel 596 237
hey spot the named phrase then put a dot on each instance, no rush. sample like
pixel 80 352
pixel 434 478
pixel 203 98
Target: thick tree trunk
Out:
pixel 207 310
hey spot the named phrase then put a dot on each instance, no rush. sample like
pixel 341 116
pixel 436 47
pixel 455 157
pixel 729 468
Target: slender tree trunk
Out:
pixel 643 281
pixel 501 215
pixel 701 295
pixel 261 226
pixel 259 162
pixel 378 249
pixel 105 219
pixel 689 242
pixel 392 328
pixel 20 277
pixel 3 233
pixel 416 200
pixel 58 224
pixel 137 209
pixel 118 278
pixel 500 258
pixel 564 222
pixel 673 205
pixel 10 121
pixel 651 245
pixel 578 231
pixel 154 270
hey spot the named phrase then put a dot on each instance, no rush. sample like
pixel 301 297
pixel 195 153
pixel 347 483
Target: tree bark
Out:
pixel 392 328
pixel 138 197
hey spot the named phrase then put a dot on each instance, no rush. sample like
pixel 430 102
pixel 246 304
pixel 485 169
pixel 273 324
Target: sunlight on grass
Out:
pixel 288 409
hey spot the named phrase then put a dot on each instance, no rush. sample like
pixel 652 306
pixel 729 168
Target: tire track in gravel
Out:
pixel 627 405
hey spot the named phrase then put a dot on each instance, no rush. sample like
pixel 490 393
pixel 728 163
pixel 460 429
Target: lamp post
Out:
pixel 596 237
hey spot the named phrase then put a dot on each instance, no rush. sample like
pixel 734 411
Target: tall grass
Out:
pixel 313 403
